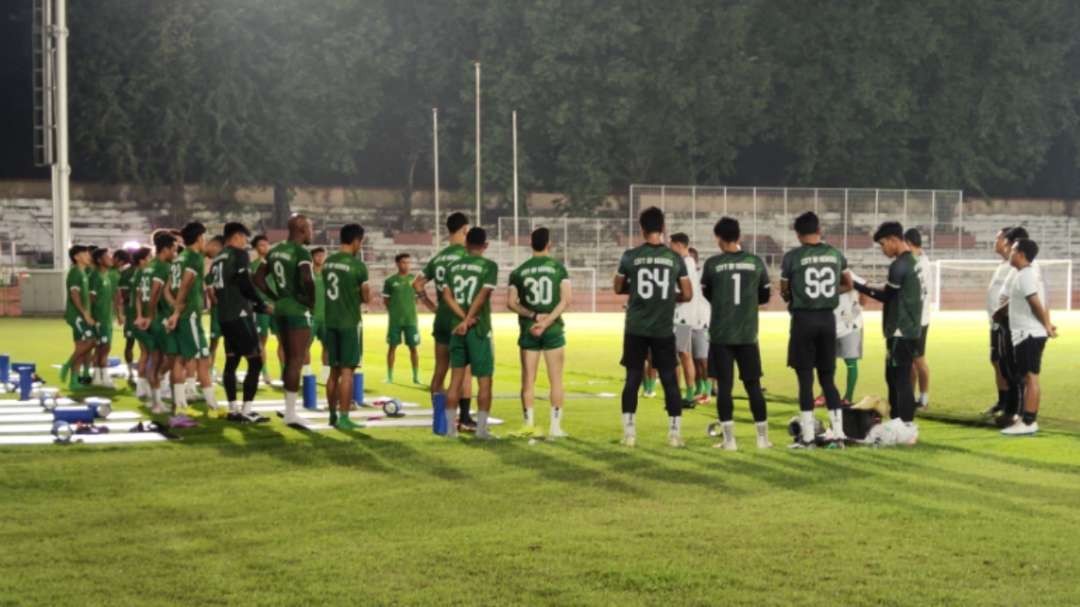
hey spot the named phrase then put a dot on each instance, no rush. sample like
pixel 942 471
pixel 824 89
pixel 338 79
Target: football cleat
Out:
pixel 801 445
pixel 484 435
pixel 763 443
pixel 559 433
pixel 629 441
pixel 675 440
pixel 726 446
pixel 1021 429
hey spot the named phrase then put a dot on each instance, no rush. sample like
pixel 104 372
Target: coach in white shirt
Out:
pixel 687 320
pixel 1029 328
pixel 1008 402
pixel 920 370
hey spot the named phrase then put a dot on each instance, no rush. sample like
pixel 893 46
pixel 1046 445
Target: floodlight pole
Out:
pixel 61 170
pixel 479 194
pixel 513 121
pixel 435 166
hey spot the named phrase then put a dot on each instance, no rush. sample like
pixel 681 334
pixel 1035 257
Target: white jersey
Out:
pixel 848 314
pixel 689 313
pixel 993 293
pixel 1022 321
pixel 922 267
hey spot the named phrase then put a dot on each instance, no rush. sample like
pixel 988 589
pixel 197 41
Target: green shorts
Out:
pixel 262 322
pixel 409 333
pixel 343 346
pixel 104 332
pixel 552 339
pixel 163 341
pixel 145 338
pixel 318 330
pixel 215 324
pixel 190 338
pixel 81 330
pixel 472 350
pixel 129 327
pixel 443 326
pixel 281 324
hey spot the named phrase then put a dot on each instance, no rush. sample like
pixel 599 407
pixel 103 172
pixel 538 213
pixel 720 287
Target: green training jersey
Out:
pixel 253 267
pixel 813 273
pixel 400 300
pixel 192 262
pixel 652 275
pixel 229 270
pixel 319 312
pixel 735 285
pixel 162 272
pixel 103 288
pixel 343 274
pixel 143 280
pixel 288 263
pixel 127 286
pixel 902 316
pixel 76 279
pixel 466 278
pixel 538 282
pixel 436 269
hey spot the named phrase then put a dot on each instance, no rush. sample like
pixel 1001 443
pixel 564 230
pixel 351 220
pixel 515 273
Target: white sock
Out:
pixel 529 417
pixel 556 418
pixel 247 408
pixel 142 387
pixel 628 424
pixel 806 421
pixel 190 384
pixel 179 398
pixel 836 421
pixel 208 396
pixel 306 370
pixel 234 407
pixel 324 374
pixel 451 421
pixel 290 404
pixel 674 425
pixel 482 421
pixel 155 396
pixel 924 398
pixel 762 430
pixel 729 431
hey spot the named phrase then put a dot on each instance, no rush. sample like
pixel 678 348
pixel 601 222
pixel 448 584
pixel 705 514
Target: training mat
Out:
pixel 47 428
pixel 29 418
pixel 88 439
pixel 395 422
pixel 280 406
pixel 62 401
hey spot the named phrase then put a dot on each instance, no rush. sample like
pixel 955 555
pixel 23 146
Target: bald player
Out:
pixel 293 297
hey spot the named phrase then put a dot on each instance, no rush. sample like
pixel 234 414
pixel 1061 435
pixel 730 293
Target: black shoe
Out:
pixel 689 404
pixel 466 425
pixel 235 416
pixel 253 418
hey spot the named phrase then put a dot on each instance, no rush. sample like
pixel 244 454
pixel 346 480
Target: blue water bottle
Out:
pixel 358 388
pixel 5 368
pixel 26 382
pixel 310 390
pixel 438 413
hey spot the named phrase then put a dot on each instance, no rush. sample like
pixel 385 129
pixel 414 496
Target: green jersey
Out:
pixel 400 300
pixel 319 312
pixel 161 272
pixel 538 283
pixel 254 266
pixel 127 286
pixel 103 288
pixel 813 273
pixel 735 285
pixel 902 316
pixel 288 263
pixel 652 273
pixel 437 268
pixel 76 279
pixel 230 278
pixel 343 274
pixel 466 278
pixel 191 262
pixel 143 280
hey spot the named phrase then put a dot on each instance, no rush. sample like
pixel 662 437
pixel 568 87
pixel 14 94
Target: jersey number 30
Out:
pixel 820 282
pixel 539 291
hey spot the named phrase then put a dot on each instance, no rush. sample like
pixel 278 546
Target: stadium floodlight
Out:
pixel 435 167
pixel 479 189
pixel 962 283
pixel 513 129
pixel 51 116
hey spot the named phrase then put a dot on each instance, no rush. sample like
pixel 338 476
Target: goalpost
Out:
pixel 578 284
pixel 961 284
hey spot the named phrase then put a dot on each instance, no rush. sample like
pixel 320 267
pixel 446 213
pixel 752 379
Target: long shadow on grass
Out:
pixel 562 470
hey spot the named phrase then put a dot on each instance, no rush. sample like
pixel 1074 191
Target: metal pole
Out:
pixel 435 166
pixel 513 127
pixel 787 219
pixel 905 208
pixel 933 219
pixel 846 217
pixel 960 229
pixel 725 200
pixel 754 199
pixel 877 204
pixel 693 212
pixel 630 220
pixel 61 170
pixel 478 187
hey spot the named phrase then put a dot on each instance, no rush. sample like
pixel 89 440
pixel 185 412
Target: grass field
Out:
pixel 273 516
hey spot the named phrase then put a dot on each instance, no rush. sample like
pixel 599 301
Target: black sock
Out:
pixel 463 406
pixel 1029 417
pixel 251 380
pixel 229 377
pixel 1003 396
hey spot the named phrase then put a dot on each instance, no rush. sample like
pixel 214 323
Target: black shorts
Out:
pixel 812 341
pixel 660 350
pixel 900 352
pixel 920 345
pixel 723 357
pixel 995 345
pixel 241 336
pixel 1006 358
pixel 1028 356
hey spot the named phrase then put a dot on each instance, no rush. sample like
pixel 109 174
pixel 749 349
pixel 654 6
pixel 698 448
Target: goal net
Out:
pixel 961 284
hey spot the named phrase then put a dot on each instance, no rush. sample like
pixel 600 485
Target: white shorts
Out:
pixel 700 340
pixel 850 345
pixel 684 335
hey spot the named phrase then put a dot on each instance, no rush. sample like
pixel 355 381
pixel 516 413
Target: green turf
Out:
pixel 271 516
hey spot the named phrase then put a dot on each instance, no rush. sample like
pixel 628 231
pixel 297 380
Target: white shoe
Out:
pixel 1021 429
pixel 157 409
pixel 294 420
pixel 801 445
pixel 726 446
pixel 628 440
pixel 763 443
pixel 484 434
pixel 649 394
pixel 558 433
pixel 675 440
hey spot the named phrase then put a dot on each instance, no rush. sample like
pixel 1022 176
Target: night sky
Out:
pixel 16 93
